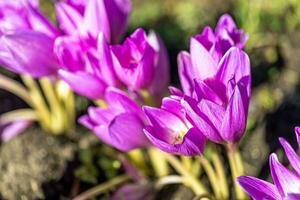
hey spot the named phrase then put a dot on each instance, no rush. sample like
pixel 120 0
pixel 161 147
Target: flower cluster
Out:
pixel 286 182
pixel 216 81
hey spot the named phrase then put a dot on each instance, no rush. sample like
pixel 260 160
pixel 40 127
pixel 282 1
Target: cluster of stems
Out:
pixel 51 103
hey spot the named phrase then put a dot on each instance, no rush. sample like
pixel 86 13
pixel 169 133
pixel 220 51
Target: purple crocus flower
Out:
pixel 206 51
pixel 141 62
pixel 90 17
pixel 86 67
pixel 120 124
pixel 286 182
pixel 12 129
pixel 28 52
pixel 219 105
pixel 170 131
pixel 26 39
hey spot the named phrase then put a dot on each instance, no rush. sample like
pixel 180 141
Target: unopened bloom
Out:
pixel 87 68
pixel 22 15
pixel 219 105
pixel 26 39
pixel 93 16
pixel 120 124
pixel 28 52
pixel 170 131
pixel 141 62
pixel 206 51
pixel 286 184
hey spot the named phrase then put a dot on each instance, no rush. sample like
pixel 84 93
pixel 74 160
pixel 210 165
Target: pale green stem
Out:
pixel 236 167
pixel 20 114
pixel 104 187
pixel 16 88
pixel 211 174
pixel 66 96
pixel 159 162
pixel 167 180
pixel 191 181
pixel 138 159
pixel 219 166
pixel 187 162
pixel 38 102
pixel 57 112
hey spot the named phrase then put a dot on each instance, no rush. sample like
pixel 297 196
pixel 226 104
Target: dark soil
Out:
pixel 35 165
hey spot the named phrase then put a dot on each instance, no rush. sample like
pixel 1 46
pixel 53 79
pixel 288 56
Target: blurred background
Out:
pixel 274 50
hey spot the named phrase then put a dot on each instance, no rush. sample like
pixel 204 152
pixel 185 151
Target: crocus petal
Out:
pixel 40 23
pixel 186 73
pixel 203 63
pixel 234 121
pixel 258 189
pixel 106 65
pixel 167 125
pixel 137 191
pixel 13 129
pixel 206 38
pixel 127 132
pixel 118 11
pixel 96 18
pixel 119 100
pixel 32 52
pixel 203 91
pixel 198 115
pixel 292 197
pixel 145 70
pixel 84 84
pixel 297 132
pixel 225 22
pixel 161 78
pixel 285 180
pixel 174 106
pixel 69 53
pixel 291 154
pixel 86 121
pixel 69 19
pixel 192 144
pixel 235 63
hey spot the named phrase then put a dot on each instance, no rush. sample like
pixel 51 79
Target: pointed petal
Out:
pixel 186 73
pixel 106 64
pixel 145 70
pixel 84 83
pixel 168 126
pixel 174 106
pixel 225 22
pixel 258 189
pixel 291 154
pixel 161 78
pixel 203 91
pixel 297 132
pixel 203 63
pixel 13 129
pixel 285 180
pixel 69 53
pixel 206 116
pixel 118 11
pixel 235 63
pixel 96 19
pixel 32 53
pixel 235 118
pixel 120 101
pixel 127 132
pixel 69 19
